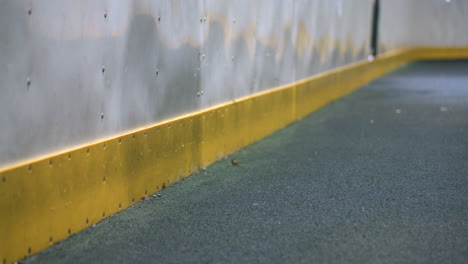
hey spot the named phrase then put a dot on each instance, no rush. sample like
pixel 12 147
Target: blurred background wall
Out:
pixel 406 23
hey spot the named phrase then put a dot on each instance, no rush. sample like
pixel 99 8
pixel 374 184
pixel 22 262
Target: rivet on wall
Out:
pixel 102 115
pixel 105 14
pixel 157 73
pixel 103 69
pixel 30 11
pixel 28 82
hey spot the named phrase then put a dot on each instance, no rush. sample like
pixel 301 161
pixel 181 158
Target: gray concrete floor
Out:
pixel 380 176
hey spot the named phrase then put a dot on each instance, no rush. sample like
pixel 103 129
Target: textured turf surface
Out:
pixel 380 176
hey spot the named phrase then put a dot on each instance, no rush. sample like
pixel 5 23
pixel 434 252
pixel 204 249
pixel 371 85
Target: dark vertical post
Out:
pixel 375 28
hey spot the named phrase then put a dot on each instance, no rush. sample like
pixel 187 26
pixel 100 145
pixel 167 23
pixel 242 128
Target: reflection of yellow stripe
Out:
pixel 47 200
pixel 304 41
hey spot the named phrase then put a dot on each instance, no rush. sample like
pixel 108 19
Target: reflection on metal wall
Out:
pixel 72 71
pixel 406 23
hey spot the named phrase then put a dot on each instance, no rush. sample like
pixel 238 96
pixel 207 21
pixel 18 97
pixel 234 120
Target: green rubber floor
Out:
pixel 380 176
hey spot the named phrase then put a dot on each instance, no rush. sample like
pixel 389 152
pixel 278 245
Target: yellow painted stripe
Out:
pixel 47 200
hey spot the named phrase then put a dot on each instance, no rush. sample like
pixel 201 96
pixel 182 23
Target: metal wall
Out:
pixel 406 23
pixel 72 72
